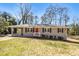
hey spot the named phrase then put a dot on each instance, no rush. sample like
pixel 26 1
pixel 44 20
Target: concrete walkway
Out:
pixel 7 37
pixel 74 40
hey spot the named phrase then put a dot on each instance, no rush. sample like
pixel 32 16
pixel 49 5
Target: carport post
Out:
pixel 12 31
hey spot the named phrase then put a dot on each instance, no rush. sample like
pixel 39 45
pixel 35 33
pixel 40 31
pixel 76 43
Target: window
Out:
pixel 31 29
pixel 49 30
pixel 60 30
pixel 26 30
pixel 67 30
pixel 15 30
pixel 42 29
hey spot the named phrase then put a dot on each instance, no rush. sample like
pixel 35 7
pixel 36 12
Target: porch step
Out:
pixel 37 34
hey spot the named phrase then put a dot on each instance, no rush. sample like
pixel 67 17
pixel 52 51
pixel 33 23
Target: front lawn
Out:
pixel 32 46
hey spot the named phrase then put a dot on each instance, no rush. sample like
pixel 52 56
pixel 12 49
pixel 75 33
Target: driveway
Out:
pixel 7 37
pixel 74 40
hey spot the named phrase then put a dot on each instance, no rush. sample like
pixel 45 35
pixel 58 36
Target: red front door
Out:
pixel 36 30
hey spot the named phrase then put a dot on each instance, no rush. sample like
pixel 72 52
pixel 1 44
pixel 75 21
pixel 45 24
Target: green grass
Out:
pixel 32 47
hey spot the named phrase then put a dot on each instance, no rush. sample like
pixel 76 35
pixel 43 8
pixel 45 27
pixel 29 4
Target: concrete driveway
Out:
pixel 7 37
pixel 74 40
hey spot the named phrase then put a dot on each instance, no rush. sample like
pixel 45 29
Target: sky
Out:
pixel 39 8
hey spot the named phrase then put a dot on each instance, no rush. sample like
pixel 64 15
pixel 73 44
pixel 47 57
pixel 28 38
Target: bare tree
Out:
pixel 62 11
pixel 74 27
pixel 30 18
pixel 24 11
pixel 66 18
pixel 55 14
pixel 44 19
pixel 50 11
pixel 36 21
pixel 60 15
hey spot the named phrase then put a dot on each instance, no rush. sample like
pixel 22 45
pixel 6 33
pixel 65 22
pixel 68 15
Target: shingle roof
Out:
pixel 40 25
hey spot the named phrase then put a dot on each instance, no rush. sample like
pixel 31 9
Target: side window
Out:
pixel 49 30
pixel 42 29
pixel 25 29
pixel 60 30
pixel 30 29
pixel 67 30
pixel 33 29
